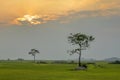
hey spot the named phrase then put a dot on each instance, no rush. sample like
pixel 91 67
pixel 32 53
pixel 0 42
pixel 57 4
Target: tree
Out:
pixel 33 52
pixel 82 41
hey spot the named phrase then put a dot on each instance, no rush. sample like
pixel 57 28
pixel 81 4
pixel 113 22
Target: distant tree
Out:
pixel 82 41
pixel 20 59
pixel 8 59
pixel 33 52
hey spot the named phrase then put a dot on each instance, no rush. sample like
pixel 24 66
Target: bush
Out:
pixel 41 62
pixel 60 62
pixel 115 62
pixel 85 66
pixel 91 63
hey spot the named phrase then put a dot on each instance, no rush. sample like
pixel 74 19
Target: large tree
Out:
pixel 33 52
pixel 82 41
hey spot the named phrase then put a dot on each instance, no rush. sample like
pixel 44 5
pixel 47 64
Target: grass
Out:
pixel 32 71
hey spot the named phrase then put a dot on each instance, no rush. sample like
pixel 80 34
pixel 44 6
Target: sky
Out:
pixel 46 24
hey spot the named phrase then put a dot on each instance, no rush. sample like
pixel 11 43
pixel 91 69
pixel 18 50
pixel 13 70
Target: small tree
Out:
pixel 82 41
pixel 33 52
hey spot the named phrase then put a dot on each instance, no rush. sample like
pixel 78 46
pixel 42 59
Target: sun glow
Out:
pixel 29 19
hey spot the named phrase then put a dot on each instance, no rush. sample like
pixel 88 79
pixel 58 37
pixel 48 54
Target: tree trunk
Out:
pixel 79 65
pixel 34 58
pixel 79 59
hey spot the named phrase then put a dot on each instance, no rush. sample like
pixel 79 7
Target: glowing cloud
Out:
pixel 35 19
pixel 30 19
pixel 42 11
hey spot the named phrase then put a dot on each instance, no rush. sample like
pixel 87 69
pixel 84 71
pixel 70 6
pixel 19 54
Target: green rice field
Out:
pixel 33 71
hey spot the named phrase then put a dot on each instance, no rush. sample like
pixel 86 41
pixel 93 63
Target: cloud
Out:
pixel 28 19
pixel 95 13
pixel 42 11
pixel 35 19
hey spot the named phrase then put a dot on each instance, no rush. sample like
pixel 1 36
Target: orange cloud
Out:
pixel 42 11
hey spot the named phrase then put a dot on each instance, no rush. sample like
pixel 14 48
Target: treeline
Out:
pixel 115 62
pixel 56 62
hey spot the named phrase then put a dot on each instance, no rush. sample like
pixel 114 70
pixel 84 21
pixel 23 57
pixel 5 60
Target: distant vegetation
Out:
pixel 20 59
pixel 113 59
pixel 115 62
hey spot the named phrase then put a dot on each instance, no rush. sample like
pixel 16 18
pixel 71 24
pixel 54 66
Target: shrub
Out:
pixel 115 62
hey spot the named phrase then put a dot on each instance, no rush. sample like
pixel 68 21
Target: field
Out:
pixel 33 71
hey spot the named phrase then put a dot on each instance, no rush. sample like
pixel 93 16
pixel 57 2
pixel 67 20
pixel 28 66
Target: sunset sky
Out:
pixel 46 24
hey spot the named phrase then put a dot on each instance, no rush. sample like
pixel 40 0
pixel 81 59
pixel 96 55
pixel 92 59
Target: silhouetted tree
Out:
pixel 33 52
pixel 82 40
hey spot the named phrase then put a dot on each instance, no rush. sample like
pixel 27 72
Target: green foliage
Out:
pixel 31 71
pixel 115 62
pixel 33 52
pixel 82 40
